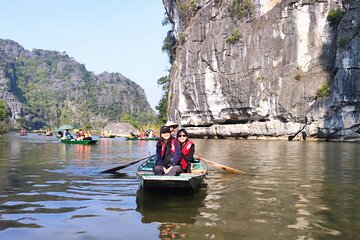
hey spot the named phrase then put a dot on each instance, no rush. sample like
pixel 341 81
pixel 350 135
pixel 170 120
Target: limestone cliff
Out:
pixel 45 89
pixel 265 68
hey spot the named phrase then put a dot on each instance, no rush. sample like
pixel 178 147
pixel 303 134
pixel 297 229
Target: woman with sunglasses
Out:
pixel 187 150
pixel 168 154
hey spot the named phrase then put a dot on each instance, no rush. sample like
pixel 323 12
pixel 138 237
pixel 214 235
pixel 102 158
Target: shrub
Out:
pixel 218 3
pixel 186 10
pixel 163 103
pixel 187 6
pixel 3 116
pixel 298 76
pixel 3 110
pixel 324 90
pixel 169 45
pixel 235 36
pixel 241 8
pixel 23 123
pixel 335 16
pixel 299 73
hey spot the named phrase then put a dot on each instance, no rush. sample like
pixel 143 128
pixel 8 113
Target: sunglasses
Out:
pixel 182 135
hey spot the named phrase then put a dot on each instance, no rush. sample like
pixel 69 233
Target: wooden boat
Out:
pixel 83 142
pixel 185 181
pixel 143 139
pixel 22 132
pixel 108 136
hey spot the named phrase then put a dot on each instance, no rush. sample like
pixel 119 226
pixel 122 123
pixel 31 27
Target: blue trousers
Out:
pixel 175 170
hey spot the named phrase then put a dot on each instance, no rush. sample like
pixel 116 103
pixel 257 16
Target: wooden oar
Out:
pixel 113 170
pixel 223 167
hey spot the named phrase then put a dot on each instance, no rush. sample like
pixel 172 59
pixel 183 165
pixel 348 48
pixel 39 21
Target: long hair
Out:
pixel 182 130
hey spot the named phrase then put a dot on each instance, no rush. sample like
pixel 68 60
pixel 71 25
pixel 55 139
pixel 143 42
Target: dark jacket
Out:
pixel 169 153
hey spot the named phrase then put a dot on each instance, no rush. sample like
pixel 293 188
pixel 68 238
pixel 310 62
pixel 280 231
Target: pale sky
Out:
pixel 123 36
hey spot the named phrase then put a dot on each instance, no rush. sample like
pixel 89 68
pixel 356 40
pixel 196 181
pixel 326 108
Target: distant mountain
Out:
pixel 47 88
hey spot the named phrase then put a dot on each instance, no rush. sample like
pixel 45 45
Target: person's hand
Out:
pixel 166 170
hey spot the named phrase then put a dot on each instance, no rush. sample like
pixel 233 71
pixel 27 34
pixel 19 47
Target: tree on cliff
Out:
pixel 163 103
pixel 3 116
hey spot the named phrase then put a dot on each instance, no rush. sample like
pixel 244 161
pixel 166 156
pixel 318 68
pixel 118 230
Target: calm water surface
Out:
pixel 294 190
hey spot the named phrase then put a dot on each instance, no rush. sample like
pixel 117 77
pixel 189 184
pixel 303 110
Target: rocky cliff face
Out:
pixel 266 69
pixel 48 88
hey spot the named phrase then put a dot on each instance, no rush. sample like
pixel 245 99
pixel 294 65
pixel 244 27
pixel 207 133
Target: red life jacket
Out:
pixel 172 148
pixel 185 150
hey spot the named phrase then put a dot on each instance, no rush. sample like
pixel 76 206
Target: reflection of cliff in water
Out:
pixel 169 207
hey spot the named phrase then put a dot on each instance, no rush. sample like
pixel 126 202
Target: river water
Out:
pixel 293 190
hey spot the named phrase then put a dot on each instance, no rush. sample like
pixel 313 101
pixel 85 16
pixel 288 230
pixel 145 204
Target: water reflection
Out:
pixel 174 210
pixel 163 207
pixel 298 190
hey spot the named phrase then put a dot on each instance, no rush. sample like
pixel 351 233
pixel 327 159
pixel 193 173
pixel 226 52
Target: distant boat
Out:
pixel 83 142
pixel 144 139
pixel 185 181
pixel 22 132
pixel 108 136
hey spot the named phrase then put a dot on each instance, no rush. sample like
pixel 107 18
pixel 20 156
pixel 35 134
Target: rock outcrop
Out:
pixel 265 68
pixel 45 89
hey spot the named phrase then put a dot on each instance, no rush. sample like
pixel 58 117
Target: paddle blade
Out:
pixel 115 169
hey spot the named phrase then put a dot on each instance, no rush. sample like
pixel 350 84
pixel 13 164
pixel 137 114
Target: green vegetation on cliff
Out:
pixel 241 9
pixel 335 16
pixel 3 116
pixel 53 89
pixel 163 103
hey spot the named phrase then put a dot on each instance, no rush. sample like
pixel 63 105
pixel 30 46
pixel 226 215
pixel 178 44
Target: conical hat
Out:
pixel 171 124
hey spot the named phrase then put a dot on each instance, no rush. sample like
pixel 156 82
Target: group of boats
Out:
pixel 148 180
pixel 142 138
pixel 93 141
pixel 82 142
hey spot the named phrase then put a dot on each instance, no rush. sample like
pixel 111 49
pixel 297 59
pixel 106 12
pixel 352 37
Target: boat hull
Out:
pixel 185 181
pixel 141 139
pixel 111 136
pixel 82 142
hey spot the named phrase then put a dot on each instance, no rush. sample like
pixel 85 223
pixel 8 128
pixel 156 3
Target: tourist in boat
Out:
pixel 172 126
pixel 60 134
pixel 22 132
pixel 67 134
pixel 82 135
pixel 79 135
pixel 168 154
pixel 187 150
pixel 48 133
pixel 132 134
pixel 142 134
pixel 87 135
